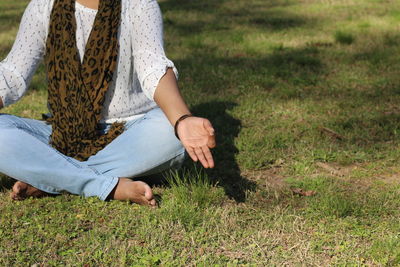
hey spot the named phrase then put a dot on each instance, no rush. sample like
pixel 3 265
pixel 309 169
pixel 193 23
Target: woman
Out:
pixel 115 109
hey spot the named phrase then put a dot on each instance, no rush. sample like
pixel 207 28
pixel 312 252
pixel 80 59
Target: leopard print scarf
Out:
pixel 76 90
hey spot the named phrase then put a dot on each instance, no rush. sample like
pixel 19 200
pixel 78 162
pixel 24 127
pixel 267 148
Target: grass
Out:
pixel 302 93
pixel 344 38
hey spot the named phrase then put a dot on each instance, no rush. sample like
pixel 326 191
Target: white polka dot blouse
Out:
pixel 141 60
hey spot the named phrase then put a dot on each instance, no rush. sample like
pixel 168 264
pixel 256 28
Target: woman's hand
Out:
pixel 197 136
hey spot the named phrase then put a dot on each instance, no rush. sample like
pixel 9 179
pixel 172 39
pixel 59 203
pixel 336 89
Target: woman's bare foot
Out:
pixel 22 190
pixel 135 191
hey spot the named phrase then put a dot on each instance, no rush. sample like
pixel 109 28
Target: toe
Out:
pixel 147 197
pixel 15 196
pixel 150 197
pixel 148 194
pixel 19 191
pixel 17 187
pixel 153 203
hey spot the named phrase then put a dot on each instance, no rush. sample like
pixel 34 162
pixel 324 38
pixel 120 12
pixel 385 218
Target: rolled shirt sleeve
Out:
pixel 17 69
pixel 150 60
pixel 12 84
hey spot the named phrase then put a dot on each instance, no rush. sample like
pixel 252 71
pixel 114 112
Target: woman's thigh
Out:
pixel 147 146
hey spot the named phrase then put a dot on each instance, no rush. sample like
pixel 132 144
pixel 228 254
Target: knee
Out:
pixel 7 121
pixel 9 136
pixel 6 133
pixel 177 162
pixel 178 148
pixel 8 140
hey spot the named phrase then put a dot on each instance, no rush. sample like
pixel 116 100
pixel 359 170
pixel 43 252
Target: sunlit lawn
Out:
pixel 304 94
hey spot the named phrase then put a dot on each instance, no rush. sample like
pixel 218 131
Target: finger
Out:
pixel 211 142
pixel 208 156
pixel 200 156
pixel 191 153
pixel 207 125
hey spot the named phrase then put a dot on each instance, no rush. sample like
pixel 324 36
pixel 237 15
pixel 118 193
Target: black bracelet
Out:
pixel 177 123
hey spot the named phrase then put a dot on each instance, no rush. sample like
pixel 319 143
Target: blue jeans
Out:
pixel 147 146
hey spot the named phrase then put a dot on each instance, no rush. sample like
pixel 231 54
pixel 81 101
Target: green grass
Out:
pixel 344 37
pixel 302 93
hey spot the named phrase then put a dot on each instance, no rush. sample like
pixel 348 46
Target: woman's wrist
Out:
pixel 181 118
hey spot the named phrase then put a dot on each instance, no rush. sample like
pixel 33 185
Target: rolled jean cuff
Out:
pixel 108 187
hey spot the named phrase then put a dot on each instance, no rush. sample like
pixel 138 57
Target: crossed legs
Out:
pixel 147 146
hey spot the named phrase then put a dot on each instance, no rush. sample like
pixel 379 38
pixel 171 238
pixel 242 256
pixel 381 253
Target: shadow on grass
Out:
pixel 369 131
pixel 215 15
pixel 381 54
pixel 226 172
pixel 6 182
pixel 293 68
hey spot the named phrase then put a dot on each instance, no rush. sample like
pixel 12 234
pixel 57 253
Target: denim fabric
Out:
pixel 147 146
